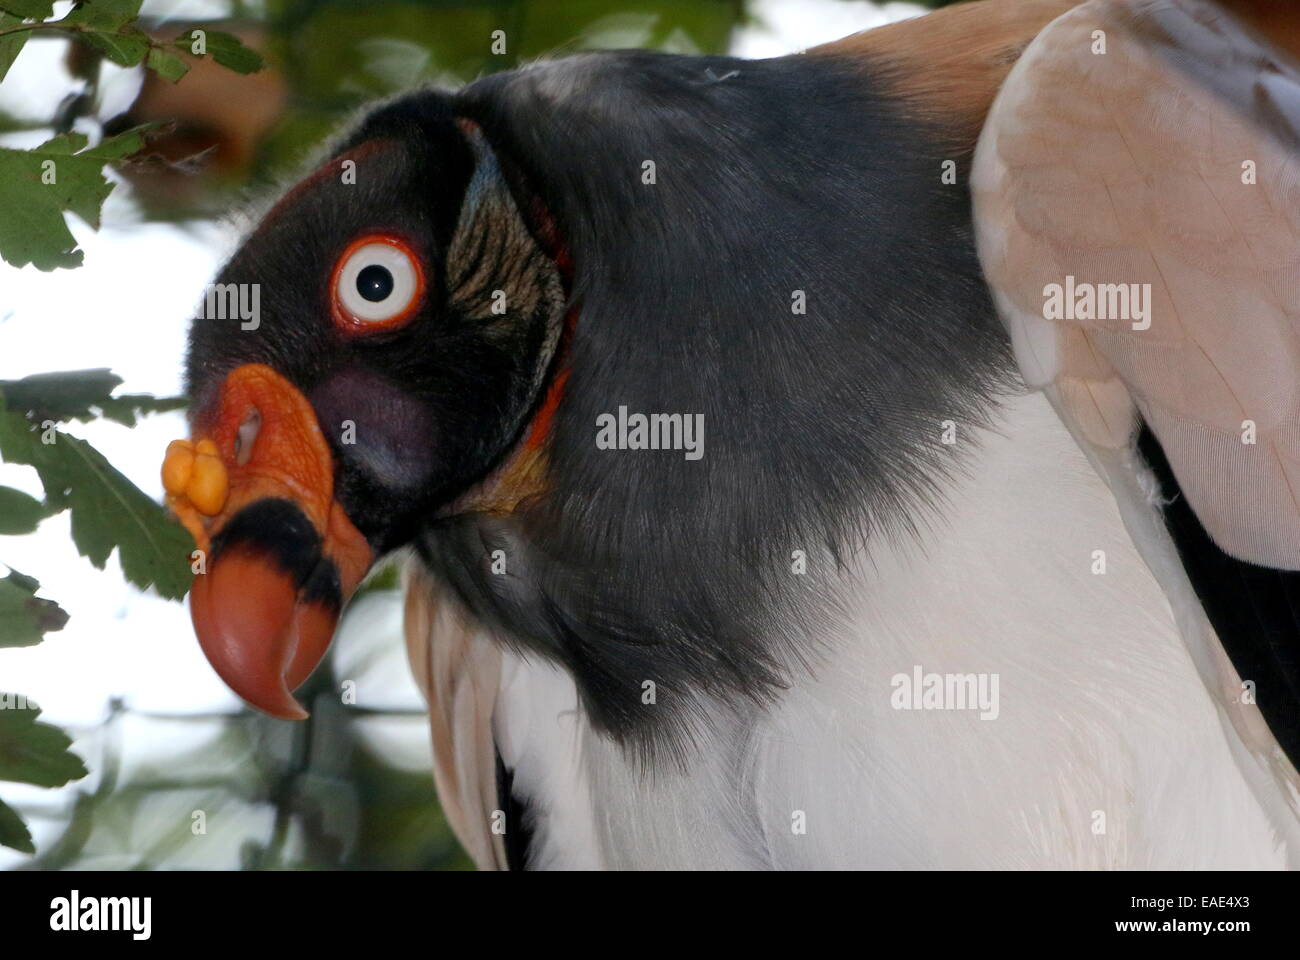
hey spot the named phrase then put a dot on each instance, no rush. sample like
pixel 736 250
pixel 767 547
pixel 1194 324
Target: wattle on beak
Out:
pixel 280 558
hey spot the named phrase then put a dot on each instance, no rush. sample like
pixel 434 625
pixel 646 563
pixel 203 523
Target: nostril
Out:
pixel 247 435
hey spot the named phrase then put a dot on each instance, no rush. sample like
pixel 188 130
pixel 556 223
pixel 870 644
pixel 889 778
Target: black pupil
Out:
pixel 375 283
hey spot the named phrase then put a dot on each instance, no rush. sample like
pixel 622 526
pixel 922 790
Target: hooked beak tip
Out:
pixel 285 707
pixel 258 636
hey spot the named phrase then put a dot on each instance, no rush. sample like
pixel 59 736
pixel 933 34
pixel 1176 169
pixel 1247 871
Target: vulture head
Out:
pixel 401 315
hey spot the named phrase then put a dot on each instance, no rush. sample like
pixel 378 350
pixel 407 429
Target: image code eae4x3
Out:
pixel 1165 903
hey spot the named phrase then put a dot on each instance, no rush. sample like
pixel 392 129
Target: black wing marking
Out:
pixel 519 833
pixel 1254 609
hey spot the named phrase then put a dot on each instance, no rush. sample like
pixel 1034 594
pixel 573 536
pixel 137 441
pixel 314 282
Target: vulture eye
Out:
pixel 377 285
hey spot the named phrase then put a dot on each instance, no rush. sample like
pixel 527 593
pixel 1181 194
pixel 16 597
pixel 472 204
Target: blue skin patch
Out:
pixel 376 426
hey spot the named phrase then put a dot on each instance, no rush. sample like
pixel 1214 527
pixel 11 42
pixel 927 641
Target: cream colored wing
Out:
pixel 1137 206
pixel 1137 198
pixel 459 670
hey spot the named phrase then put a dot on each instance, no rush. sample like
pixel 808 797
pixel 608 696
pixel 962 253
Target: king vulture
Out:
pixel 883 456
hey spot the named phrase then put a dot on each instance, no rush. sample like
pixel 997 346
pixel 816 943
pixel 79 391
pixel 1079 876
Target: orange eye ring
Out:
pixel 401 282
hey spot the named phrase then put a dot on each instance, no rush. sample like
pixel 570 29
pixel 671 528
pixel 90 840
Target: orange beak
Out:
pixel 279 555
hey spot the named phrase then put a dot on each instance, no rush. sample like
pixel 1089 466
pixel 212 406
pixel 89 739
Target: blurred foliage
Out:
pixel 30 752
pixel 329 57
pixel 252 793
pixel 38 185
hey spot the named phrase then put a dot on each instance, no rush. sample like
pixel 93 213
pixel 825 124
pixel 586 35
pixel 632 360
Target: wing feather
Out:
pixel 459 670
pixel 1163 166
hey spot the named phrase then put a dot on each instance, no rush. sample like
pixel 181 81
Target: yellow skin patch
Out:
pixel 196 474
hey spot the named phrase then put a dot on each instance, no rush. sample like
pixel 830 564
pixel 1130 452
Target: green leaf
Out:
pixel 28 584
pixel 33 229
pixel 105 25
pixel 227 49
pixel 13 832
pixel 81 395
pixel 125 409
pixel 24 617
pixel 19 513
pixel 126 47
pixel 37 186
pixel 166 64
pixel 31 752
pixel 108 510
pixel 12 45
pixel 65 395
pixel 121 145
pixel 104 14
pixel 29 9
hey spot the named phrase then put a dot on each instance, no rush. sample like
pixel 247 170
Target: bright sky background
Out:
pixel 128 308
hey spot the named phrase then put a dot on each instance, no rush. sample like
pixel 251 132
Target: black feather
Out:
pixel 1254 610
